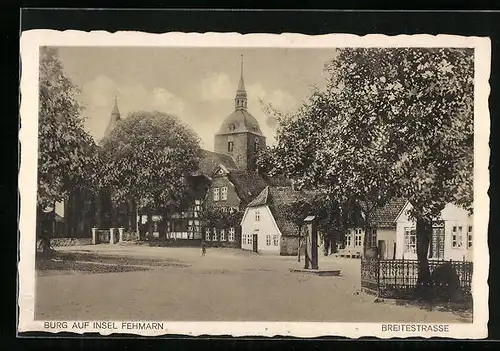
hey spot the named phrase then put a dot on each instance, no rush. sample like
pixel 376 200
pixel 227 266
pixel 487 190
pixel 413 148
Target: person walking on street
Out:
pixel 203 248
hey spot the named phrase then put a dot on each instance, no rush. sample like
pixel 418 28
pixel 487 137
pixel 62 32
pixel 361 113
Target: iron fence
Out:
pixel 398 278
pixel 103 236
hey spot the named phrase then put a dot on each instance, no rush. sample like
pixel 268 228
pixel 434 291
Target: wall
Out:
pixel 452 216
pixel 389 236
pixel 266 226
pixel 232 197
pixel 351 248
pixel 239 153
pixel 243 152
pixel 223 243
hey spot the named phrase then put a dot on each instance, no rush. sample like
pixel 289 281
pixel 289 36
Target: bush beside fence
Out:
pixel 398 278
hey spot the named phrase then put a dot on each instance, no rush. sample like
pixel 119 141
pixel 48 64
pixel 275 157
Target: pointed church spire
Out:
pixel 116 111
pixel 114 118
pixel 240 102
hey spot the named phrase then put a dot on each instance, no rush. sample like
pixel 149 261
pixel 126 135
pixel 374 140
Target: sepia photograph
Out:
pixel 254 185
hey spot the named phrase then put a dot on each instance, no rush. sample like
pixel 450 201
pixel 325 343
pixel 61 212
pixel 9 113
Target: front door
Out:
pixel 255 244
pixel 381 249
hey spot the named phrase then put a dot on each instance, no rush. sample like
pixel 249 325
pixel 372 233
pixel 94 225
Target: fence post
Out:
pixel 111 235
pixel 120 233
pixel 378 276
pixel 94 236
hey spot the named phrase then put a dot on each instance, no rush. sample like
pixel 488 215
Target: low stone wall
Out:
pixel 70 241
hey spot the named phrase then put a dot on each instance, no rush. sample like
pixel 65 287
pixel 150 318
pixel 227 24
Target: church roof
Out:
pixel 240 121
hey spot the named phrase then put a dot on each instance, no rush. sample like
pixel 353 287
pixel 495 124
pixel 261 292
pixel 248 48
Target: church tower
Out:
pixel 240 135
pixel 115 117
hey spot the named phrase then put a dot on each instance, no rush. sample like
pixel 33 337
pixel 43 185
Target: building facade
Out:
pixel 452 235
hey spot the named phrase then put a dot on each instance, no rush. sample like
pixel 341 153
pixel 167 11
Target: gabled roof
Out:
pixel 386 215
pixel 247 184
pixel 277 199
pixel 261 199
pixel 210 160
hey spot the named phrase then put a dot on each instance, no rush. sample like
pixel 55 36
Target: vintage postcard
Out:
pixel 254 185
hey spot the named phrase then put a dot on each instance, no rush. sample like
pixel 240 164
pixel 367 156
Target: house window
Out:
pixel 243 238
pixel 216 194
pixel 214 235
pixel 222 235
pixel 348 240
pixel 207 235
pixel 223 193
pixel 257 216
pixel 410 240
pixel 230 146
pixel 456 237
pixel 469 237
pixel 276 240
pixel 268 240
pixel 231 234
pixel 374 237
pixel 249 239
pixel 358 238
pixel 256 145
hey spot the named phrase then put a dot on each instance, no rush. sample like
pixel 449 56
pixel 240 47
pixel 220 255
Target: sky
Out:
pixel 198 85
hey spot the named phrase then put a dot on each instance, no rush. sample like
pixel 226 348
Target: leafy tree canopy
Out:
pixel 148 157
pixel 66 152
pixel 390 122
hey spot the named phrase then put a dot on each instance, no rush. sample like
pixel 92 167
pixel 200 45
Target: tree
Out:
pixel 147 158
pixel 391 122
pixel 295 212
pixel 65 150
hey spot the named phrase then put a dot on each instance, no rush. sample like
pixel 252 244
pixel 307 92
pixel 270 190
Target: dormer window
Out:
pixel 230 146
pixel 255 129
pixel 232 127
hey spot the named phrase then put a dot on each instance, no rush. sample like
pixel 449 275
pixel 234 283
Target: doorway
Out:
pixel 381 249
pixel 255 244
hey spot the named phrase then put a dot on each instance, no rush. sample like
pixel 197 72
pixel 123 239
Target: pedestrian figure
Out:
pixel 203 248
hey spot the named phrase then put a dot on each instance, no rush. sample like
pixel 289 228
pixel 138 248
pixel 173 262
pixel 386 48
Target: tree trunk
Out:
pixel 298 249
pixel 423 233
pixel 150 225
pixel 333 244
pixel 366 228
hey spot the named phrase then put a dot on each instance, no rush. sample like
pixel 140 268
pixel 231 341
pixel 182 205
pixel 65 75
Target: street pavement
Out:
pixel 224 285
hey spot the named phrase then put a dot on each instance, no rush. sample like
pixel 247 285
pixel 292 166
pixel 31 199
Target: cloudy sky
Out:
pixel 197 85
